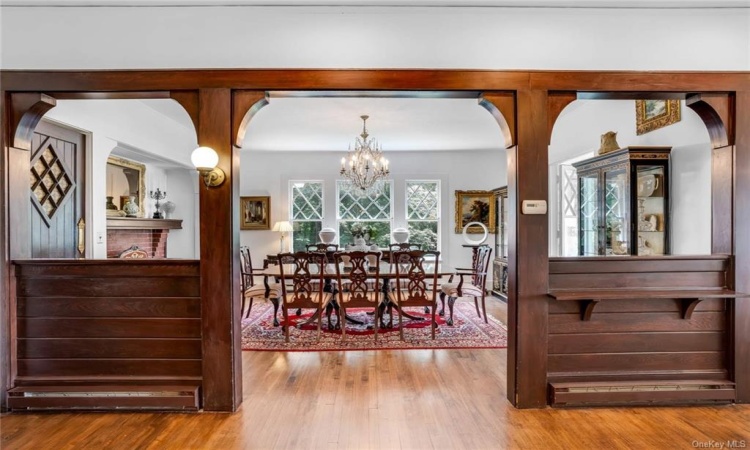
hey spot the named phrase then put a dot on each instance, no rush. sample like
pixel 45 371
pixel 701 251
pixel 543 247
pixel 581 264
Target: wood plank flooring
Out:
pixel 412 399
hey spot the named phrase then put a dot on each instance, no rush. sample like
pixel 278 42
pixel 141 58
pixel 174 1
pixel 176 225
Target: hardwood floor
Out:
pixel 408 399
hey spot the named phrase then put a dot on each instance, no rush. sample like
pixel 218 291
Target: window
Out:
pixel 423 213
pixel 306 211
pixel 368 216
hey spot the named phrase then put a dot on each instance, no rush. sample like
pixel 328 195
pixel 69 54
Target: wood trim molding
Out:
pixel 556 102
pixel 502 106
pixel 189 101
pixel 245 104
pixel 717 112
pixel 27 110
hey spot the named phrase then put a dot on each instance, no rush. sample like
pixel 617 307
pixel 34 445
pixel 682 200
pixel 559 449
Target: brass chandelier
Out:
pixel 365 167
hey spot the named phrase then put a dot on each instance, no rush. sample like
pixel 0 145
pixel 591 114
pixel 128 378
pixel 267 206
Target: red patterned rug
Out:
pixel 468 331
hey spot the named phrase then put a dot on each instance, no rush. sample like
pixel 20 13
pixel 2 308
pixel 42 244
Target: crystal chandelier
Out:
pixel 365 167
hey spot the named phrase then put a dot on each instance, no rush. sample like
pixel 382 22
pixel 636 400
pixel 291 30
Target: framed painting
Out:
pixel 255 213
pixel 475 206
pixel 654 114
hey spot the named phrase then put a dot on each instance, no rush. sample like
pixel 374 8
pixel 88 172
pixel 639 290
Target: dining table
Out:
pixel 386 273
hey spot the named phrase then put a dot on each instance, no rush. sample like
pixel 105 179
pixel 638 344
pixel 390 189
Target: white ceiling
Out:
pixel 386 3
pixel 412 124
pixel 332 124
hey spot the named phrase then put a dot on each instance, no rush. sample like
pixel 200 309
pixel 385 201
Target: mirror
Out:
pixel 125 179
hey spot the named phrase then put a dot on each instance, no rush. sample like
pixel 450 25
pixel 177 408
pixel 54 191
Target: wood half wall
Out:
pixel 644 341
pixel 126 326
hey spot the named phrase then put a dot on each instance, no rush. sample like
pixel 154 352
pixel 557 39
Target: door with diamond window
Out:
pixel 57 191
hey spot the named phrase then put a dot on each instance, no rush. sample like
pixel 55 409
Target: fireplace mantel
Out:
pixel 147 234
pixel 135 223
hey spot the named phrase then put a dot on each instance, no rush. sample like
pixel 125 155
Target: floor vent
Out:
pixel 584 393
pixel 103 397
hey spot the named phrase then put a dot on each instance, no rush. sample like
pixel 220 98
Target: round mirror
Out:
pixel 470 241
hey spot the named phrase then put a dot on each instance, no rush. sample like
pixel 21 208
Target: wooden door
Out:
pixel 57 191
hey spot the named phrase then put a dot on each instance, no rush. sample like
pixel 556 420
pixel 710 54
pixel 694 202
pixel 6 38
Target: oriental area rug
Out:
pixel 468 331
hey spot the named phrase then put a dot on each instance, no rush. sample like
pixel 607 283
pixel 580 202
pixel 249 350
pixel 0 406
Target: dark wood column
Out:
pixel 528 260
pixel 741 309
pixel 219 235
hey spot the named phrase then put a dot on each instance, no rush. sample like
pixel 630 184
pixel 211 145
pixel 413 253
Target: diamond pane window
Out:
pixel 355 206
pixel 366 216
pixel 307 200
pixel 423 213
pixel 49 181
pixel 306 212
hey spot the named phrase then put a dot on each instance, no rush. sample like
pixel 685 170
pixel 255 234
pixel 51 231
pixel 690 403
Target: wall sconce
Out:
pixel 205 160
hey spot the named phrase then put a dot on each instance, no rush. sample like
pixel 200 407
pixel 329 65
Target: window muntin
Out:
pixel 369 216
pixel 423 213
pixel 306 212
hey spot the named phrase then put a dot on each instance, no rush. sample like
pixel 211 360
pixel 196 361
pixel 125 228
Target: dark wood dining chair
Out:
pixel 361 288
pixel 304 273
pixel 415 284
pixel 250 290
pixel 473 287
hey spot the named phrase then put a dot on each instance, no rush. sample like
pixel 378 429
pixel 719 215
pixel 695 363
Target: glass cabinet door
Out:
pixel 651 209
pixel 589 219
pixel 504 227
pixel 616 212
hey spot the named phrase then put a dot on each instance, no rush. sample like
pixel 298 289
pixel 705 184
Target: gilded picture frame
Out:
pixel 475 206
pixel 255 213
pixel 651 115
pixel 135 174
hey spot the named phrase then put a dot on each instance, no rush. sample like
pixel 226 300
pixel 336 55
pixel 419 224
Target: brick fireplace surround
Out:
pixel 148 234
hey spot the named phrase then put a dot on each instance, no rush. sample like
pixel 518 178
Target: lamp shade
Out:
pixel 282 226
pixel 204 158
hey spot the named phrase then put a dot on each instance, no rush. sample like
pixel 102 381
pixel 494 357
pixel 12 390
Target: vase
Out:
pixel 131 208
pixel 327 235
pixel 111 205
pixel 400 235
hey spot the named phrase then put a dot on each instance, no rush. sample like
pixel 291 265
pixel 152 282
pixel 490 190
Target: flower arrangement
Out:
pixel 364 231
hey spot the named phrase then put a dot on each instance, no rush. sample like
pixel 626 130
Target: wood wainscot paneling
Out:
pixel 107 334
pixel 639 330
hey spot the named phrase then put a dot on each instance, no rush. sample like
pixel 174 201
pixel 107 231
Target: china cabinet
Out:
pixel 500 263
pixel 624 202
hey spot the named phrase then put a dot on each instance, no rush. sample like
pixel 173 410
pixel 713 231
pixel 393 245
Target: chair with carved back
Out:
pixel 404 246
pixel 401 247
pixel 134 252
pixel 474 287
pixel 416 281
pixel 359 290
pixel 250 290
pixel 302 285
pixel 328 249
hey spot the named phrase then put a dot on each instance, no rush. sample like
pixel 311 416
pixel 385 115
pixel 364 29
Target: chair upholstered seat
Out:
pixel 467 289
pixel 259 290
pixel 471 282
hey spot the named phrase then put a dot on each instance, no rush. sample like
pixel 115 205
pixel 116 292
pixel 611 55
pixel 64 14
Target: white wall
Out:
pixel 125 126
pixel 374 37
pixel 268 173
pixel 182 187
pixel 578 131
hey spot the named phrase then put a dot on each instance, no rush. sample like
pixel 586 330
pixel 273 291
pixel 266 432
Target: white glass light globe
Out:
pixel 204 158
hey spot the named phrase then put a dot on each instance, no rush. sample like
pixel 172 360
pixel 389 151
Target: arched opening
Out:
pixel 290 153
